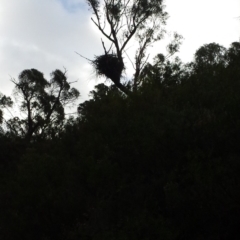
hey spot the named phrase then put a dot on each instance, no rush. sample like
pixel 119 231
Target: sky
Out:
pixel 45 34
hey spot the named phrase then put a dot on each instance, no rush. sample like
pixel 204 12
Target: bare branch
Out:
pixel 83 56
pixel 130 60
pixel 102 31
pixel 104 47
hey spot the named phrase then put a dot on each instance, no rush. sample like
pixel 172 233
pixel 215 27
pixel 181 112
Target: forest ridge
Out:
pixel 156 157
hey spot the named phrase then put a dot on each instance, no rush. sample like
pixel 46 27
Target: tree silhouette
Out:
pixel 4 103
pixel 43 101
pixel 119 21
pixel 161 164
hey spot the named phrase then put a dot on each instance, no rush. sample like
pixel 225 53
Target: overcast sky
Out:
pixel 44 34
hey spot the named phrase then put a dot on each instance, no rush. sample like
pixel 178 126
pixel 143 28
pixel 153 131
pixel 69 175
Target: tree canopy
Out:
pixel 161 164
pixel 42 101
pixel 157 158
pixel 119 21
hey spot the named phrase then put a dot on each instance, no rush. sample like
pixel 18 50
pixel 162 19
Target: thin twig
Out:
pixel 104 47
pixel 83 56
pixel 130 60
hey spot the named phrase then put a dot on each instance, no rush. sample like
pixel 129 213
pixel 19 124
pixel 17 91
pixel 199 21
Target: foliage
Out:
pixel 42 101
pixel 5 102
pixel 161 164
pixel 119 21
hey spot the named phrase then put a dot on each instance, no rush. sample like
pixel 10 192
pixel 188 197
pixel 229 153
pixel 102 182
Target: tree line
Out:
pixel 153 158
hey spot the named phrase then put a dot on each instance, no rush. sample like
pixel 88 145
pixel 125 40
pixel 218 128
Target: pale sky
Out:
pixel 44 34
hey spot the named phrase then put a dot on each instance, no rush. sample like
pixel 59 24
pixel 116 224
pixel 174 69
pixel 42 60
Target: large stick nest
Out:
pixel 108 65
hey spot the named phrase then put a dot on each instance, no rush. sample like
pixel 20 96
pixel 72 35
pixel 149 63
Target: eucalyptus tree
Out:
pixel 119 21
pixel 5 102
pixel 234 54
pixel 42 101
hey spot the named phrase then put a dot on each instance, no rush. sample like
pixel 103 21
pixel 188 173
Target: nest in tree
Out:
pixel 108 65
